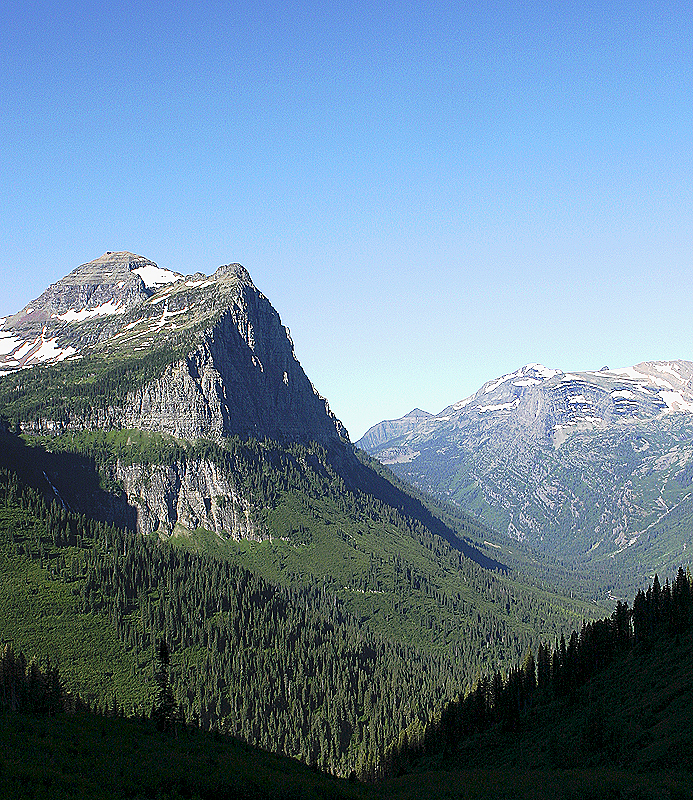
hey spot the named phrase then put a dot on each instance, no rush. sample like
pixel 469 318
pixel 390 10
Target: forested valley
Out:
pixel 610 700
pixel 373 634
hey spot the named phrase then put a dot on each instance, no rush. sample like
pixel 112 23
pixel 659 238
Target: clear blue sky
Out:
pixel 430 194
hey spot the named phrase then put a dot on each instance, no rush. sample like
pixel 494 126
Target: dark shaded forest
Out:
pixel 506 705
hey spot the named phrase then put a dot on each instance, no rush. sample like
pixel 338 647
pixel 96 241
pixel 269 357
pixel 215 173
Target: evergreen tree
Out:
pixel 165 712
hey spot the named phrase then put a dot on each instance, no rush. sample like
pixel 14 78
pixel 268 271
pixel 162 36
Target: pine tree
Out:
pixel 165 712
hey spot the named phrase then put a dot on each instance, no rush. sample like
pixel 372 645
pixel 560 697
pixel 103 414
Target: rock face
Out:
pixel 210 359
pixel 242 378
pixel 572 461
pixel 191 495
pixel 237 373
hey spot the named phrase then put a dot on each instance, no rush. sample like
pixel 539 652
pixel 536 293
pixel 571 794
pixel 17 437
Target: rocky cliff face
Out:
pixel 243 379
pixel 186 496
pixel 133 346
pixel 572 461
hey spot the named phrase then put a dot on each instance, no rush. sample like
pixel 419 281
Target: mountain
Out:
pixel 136 347
pixel 583 464
pixel 213 346
pixel 168 470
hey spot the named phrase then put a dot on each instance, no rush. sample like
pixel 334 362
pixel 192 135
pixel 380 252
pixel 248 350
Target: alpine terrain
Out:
pixel 595 466
pixel 169 475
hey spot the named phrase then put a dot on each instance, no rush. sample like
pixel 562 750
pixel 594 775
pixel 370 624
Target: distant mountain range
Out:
pixel 584 464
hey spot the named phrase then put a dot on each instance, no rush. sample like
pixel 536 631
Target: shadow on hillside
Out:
pixel 69 478
pixel 367 479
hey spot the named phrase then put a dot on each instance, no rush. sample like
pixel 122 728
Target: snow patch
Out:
pixel 675 401
pixel 166 314
pixel 8 343
pixel 155 276
pixel 631 372
pixel 462 403
pixel 672 370
pixel 580 398
pixel 49 351
pixel 543 371
pixel 499 407
pixel 3 320
pixel 24 349
pixel 664 384
pixel 201 283
pixel 625 393
pixel 498 382
pixel 106 310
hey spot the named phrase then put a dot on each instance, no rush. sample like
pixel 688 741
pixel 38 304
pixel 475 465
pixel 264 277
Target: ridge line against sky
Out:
pixel 430 196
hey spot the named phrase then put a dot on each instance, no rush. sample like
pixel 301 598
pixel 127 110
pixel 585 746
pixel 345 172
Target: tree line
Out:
pixel 503 701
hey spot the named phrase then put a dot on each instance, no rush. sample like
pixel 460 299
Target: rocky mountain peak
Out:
pixel 108 269
pixel 235 273
pixel 227 364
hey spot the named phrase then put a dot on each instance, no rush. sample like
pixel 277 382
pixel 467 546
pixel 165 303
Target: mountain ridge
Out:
pixel 233 361
pixel 586 464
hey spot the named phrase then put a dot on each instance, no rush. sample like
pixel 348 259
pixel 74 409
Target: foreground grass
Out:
pixel 86 757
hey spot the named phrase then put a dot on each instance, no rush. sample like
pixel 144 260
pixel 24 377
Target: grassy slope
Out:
pixel 39 616
pixel 628 734
pixel 396 586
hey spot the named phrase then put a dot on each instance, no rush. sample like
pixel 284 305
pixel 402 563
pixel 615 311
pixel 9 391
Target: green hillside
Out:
pixel 352 622
pixel 614 727
pixel 87 757
pixel 605 715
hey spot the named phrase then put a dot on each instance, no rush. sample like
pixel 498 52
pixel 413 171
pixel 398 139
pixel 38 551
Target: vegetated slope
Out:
pixel 288 670
pixel 89 757
pixel 175 407
pixel 609 708
pixel 402 572
pixel 321 667
pixel 587 465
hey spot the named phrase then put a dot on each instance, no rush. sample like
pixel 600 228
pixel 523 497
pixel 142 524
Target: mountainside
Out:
pixel 141 347
pixel 568 724
pixel 581 463
pixel 169 470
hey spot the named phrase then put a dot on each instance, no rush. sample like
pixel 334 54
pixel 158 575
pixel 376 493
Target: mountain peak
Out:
pixel 225 362
pixel 107 269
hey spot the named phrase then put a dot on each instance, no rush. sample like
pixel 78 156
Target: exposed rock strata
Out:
pixel 194 494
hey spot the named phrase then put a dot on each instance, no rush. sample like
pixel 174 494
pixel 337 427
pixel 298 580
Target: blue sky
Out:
pixel 429 195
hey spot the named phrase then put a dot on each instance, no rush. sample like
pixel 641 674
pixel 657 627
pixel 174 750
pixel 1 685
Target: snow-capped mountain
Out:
pixel 576 460
pixel 226 364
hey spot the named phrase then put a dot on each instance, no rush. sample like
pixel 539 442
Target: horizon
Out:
pixel 429 197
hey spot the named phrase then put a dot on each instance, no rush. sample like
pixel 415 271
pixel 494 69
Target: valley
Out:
pixel 168 472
